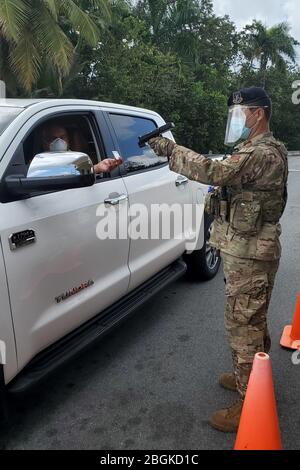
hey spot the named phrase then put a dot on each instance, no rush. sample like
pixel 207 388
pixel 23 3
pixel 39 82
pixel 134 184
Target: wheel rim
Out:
pixel 212 257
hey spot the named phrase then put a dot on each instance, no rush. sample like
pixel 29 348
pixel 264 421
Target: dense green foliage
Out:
pixel 173 56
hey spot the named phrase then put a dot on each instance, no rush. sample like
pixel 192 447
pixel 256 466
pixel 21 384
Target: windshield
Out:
pixel 7 115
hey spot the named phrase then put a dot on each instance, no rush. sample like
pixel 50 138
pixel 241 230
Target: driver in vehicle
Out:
pixel 55 138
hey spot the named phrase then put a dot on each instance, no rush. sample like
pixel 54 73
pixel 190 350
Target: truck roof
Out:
pixel 26 103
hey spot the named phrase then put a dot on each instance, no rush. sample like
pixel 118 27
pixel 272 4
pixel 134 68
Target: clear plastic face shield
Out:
pixel 237 129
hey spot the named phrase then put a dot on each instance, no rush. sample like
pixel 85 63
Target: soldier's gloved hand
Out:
pixel 162 146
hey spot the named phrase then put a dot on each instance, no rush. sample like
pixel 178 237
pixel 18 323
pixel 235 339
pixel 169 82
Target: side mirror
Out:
pixel 54 171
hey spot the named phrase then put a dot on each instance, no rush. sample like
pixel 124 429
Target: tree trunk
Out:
pixel 263 70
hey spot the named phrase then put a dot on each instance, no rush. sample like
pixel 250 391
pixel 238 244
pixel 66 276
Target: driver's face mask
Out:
pixel 58 145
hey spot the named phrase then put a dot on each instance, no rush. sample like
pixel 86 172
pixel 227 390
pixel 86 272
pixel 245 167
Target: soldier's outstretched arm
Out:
pixel 199 168
pixel 205 170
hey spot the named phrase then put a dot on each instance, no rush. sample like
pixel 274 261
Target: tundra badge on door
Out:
pixel 19 239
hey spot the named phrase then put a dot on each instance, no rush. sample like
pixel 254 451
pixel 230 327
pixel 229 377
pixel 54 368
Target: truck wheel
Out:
pixel 204 264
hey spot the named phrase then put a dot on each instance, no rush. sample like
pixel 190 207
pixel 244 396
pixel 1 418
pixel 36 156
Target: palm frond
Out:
pixel 13 16
pixel 103 6
pixel 6 73
pixel 25 61
pixel 82 22
pixel 53 7
pixel 54 44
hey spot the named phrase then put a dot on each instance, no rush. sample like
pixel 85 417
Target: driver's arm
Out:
pixel 107 165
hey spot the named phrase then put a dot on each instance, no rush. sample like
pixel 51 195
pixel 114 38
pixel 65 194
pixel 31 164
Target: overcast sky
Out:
pixel 269 12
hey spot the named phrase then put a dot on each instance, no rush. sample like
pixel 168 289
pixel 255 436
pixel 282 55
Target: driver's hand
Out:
pixel 107 165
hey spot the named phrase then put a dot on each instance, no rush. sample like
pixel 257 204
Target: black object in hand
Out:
pixel 156 133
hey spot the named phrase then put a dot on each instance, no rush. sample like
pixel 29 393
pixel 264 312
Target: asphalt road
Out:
pixel 153 382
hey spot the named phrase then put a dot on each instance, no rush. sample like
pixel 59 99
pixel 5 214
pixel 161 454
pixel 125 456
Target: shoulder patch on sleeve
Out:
pixel 246 150
pixel 238 157
pixel 235 158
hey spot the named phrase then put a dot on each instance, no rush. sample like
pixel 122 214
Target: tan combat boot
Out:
pixel 227 419
pixel 228 381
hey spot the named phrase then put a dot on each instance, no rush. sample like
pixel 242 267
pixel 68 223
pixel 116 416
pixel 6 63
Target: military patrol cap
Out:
pixel 254 96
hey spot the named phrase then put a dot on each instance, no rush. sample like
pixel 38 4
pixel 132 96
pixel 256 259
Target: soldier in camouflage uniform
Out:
pixel 248 201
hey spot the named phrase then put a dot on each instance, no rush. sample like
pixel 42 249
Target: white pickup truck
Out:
pixel 62 287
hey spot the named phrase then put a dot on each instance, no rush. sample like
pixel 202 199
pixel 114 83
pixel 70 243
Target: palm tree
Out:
pixel 39 33
pixel 269 46
pixel 154 12
pixel 184 19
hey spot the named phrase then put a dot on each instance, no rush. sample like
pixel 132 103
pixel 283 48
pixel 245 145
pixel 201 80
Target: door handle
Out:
pixel 181 180
pixel 114 201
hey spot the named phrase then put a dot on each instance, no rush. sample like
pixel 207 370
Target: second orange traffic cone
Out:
pixel 291 333
pixel 259 426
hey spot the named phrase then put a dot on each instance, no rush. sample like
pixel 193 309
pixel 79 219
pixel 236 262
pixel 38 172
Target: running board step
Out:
pixel 77 341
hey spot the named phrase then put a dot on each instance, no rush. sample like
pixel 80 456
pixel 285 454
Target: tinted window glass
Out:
pixel 128 129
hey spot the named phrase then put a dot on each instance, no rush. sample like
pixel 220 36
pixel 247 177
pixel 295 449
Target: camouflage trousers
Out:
pixel 249 285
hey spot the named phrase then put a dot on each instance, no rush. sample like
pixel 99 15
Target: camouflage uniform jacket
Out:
pixel 256 178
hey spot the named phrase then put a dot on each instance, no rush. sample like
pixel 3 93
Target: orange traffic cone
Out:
pixel 259 426
pixel 291 333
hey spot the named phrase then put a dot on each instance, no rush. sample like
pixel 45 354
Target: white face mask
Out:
pixel 58 145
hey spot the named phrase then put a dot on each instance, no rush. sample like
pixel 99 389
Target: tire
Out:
pixel 204 264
